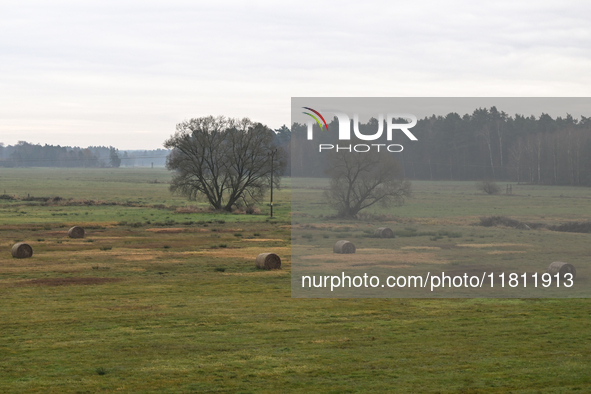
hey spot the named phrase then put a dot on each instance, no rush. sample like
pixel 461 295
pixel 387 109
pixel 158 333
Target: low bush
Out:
pixel 489 187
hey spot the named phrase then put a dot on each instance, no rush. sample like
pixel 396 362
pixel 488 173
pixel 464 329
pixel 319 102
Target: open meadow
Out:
pixel 449 227
pixel 162 295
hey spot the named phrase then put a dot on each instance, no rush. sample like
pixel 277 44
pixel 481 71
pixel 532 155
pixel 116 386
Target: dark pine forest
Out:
pixel 487 144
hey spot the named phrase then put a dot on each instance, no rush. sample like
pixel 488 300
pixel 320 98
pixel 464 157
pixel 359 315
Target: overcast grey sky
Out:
pixel 124 73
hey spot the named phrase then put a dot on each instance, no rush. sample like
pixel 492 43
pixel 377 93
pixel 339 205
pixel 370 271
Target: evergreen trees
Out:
pixel 487 144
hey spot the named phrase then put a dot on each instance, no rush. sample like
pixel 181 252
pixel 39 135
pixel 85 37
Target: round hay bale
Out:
pixel 76 232
pixel 558 267
pixel 22 250
pixel 268 261
pixel 344 247
pixel 384 232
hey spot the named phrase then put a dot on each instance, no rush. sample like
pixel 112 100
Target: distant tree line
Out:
pixel 144 158
pixel 282 139
pixel 487 144
pixel 25 154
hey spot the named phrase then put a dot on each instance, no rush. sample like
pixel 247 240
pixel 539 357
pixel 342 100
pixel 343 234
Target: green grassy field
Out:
pixel 438 230
pixel 162 296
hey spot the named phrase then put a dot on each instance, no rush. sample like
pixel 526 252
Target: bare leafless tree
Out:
pixel 360 180
pixel 488 186
pixel 224 160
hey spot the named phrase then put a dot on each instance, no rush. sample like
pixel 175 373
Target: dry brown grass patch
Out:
pixel 330 341
pixel 420 248
pixel 507 252
pixel 376 256
pixel 261 239
pixel 68 281
pixel 383 264
pixel 43 266
pixel 104 238
pixel 325 226
pixel 119 253
pixel 139 256
pixel 246 253
pixel 189 210
pixel 171 230
pixel 454 221
pixel 493 245
pixel 280 272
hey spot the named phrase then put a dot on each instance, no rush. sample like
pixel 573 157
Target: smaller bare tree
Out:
pixel 360 180
pixel 488 186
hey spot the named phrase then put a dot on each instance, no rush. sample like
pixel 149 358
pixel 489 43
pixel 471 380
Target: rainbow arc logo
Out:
pixel 345 125
pixel 315 118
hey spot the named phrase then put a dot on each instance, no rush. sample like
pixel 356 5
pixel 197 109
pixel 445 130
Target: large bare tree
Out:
pixel 226 161
pixel 360 180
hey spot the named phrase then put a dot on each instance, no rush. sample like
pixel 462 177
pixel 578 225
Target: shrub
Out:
pixel 490 221
pixel 573 227
pixel 450 234
pixel 489 187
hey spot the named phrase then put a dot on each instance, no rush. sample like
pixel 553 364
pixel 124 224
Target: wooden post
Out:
pixel 272 154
